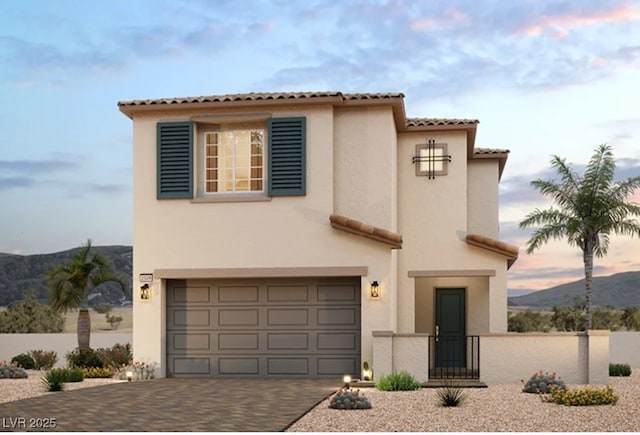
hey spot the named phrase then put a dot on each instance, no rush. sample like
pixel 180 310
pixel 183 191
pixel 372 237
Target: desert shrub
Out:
pixel 630 318
pixel 75 374
pixel 542 383
pixel 12 371
pixel 397 381
pixel 347 398
pixel 24 360
pixel 84 358
pixel 44 360
pixel 30 316
pixel 569 318
pixel 115 356
pixel 54 379
pixel 139 371
pixel 586 396
pixel 114 321
pixel 103 309
pixel 619 370
pixel 606 318
pixel 451 394
pixel 95 372
pixel 529 321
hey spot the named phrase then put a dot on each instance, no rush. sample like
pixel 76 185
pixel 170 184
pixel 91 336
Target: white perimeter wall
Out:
pixel 624 348
pixel 14 344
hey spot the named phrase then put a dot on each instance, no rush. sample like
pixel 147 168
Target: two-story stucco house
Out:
pixel 302 234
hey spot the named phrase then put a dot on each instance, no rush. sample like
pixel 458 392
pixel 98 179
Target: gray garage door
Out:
pixel 263 328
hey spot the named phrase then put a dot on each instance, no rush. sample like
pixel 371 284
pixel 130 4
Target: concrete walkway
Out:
pixel 167 405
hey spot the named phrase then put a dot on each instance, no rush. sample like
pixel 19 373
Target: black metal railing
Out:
pixel 454 357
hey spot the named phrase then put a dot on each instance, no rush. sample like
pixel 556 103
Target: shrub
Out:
pixel 54 379
pixel 95 372
pixel 12 371
pixel 619 370
pixel 604 318
pixel 24 360
pixel 114 321
pixel 402 381
pixel 75 374
pixel 349 399
pixel 84 358
pixel 451 394
pixel 103 309
pixel 630 318
pixel 139 371
pixel 529 321
pixel 30 316
pixel 44 360
pixel 587 396
pixel 542 382
pixel 116 356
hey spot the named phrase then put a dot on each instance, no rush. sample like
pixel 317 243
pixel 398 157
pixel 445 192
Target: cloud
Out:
pixel 36 166
pixel 8 183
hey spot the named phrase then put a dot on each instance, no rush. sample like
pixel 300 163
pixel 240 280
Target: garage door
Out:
pixel 263 328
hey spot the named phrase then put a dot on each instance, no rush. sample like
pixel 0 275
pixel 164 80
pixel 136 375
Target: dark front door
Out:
pixel 450 327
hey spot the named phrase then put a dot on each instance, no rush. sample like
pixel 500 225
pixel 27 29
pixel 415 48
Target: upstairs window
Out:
pixel 431 159
pixel 234 161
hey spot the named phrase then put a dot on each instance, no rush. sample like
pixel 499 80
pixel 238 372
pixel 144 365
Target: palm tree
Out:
pixel 71 283
pixel 589 208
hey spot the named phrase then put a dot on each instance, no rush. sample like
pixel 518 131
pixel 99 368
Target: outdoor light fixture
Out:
pixel 129 376
pixel 347 381
pixel 145 292
pixel 375 290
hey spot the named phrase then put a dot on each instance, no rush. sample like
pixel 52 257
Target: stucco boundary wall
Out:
pixel 624 348
pixel 579 358
pixel 14 344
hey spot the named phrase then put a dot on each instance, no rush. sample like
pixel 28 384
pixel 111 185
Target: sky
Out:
pixel 543 78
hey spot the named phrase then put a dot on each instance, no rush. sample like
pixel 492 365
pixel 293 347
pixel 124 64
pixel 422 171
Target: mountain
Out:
pixel 21 274
pixel 619 290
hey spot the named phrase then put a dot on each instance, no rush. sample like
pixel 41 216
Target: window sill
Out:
pixel 231 198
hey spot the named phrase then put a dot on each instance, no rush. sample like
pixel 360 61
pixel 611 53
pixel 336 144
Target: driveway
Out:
pixel 167 405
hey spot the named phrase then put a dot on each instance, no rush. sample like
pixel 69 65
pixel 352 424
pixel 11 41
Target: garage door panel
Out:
pixel 238 317
pixel 287 341
pixel 191 294
pixel 191 366
pixel 334 341
pixel 338 316
pixel 237 341
pixel 242 294
pixel 288 366
pixel 191 318
pixel 238 366
pixel 190 342
pixel 287 317
pixel 338 293
pixel 287 294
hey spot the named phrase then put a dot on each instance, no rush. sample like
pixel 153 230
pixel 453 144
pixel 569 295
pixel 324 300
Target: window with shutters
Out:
pixel 233 160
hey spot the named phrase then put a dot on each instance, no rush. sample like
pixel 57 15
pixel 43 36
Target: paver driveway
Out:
pixel 163 405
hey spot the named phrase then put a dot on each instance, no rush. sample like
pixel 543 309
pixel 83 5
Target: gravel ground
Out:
pixel 497 408
pixel 17 389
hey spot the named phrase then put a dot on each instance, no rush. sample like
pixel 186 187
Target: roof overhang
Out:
pixel 394 240
pixel 496 246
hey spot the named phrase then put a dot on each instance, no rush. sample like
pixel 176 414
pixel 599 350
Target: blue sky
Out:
pixel 543 78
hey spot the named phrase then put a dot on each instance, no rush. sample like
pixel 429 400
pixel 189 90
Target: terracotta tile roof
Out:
pixel 360 228
pixel 440 122
pixel 493 245
pixel 490 151
pixel 260 96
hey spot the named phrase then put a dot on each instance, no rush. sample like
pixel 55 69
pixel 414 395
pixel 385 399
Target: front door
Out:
pixel 450 328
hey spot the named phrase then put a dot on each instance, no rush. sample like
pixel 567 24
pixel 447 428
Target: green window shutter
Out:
pixel 287 156
pixel 175 160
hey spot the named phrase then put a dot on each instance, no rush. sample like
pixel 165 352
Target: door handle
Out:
pixel 437 332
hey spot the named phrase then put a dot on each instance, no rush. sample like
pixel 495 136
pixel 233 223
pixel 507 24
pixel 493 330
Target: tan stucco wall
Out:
pixel 433 219
pixel 482 211
pixel 290 232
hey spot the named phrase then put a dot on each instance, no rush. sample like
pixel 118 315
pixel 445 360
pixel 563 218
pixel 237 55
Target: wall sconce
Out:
pixel 375 290
pixel 129 376
pixel 145 292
